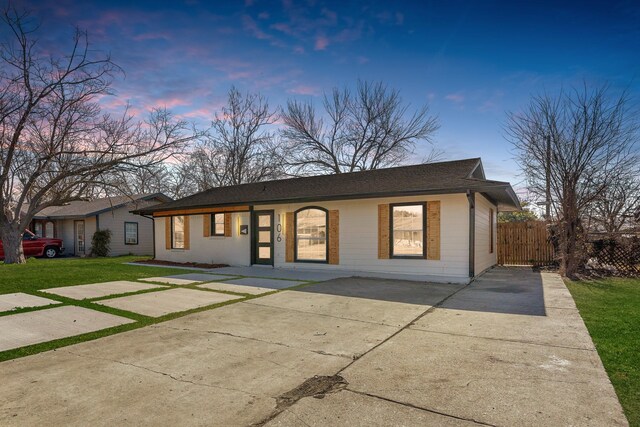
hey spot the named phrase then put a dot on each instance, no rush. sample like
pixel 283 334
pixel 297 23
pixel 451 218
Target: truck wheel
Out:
pixel 50 252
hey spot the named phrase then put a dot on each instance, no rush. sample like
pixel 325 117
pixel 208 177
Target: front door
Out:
pixel 263 237
pixel 80 242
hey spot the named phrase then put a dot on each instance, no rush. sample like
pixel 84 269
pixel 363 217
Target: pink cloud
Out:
pixel 321 43
pixel 171 103
pixel 455 97
pixel 304 90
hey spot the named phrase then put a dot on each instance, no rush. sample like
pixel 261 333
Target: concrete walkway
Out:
pixel 509 349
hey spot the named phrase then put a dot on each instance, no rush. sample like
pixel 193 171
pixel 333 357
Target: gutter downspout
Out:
pixel 471 197
pixel 153 232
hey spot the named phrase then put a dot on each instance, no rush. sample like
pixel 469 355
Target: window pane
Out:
pixel 48 229
pixel 38 229
pixel 218 224
pixel 131 233
pixel 408 230
pixel 311 233
pixel 264 252
pixel 178 232
pixel 264 220
pixel 219 229
pixel 264 236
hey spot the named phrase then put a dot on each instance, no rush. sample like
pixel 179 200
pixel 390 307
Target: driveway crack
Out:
pixel 229 334
pixel 199 384
pixel 415 328
pixel 420 408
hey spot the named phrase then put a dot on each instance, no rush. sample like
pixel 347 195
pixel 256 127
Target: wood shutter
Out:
pixel 383 231
pixel 433 230
pixel 186 232
pixel 289 237
pixel 167 232
pixel 206 225
pixel 334 237
pixel 227 224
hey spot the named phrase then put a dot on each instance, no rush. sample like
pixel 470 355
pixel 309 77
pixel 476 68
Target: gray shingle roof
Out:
pixel 431 178
pixel 84 208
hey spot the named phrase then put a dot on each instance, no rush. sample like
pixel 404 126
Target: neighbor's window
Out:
pixel 130 233
pixel 177 232
pixel 49 229
pixel 407 230
pixel 217 224
pixel 311 235
pixel 38 229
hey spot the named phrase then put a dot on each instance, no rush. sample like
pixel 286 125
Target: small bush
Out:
pixel 101 243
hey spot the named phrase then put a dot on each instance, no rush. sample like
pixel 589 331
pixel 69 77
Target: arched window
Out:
pixel 311 234
pixel 49 229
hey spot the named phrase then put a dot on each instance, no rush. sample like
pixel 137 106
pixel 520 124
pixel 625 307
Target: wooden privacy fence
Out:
pixel 524 243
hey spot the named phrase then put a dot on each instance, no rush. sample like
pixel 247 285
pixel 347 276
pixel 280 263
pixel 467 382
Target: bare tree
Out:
pixel 240 147
pixel 369 129
pixel 614 209
pixel 579 143
pixel 55 144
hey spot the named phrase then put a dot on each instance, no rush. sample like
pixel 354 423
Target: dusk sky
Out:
pixel 470 61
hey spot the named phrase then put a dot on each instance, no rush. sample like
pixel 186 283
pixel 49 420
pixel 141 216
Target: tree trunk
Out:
pixel 12 245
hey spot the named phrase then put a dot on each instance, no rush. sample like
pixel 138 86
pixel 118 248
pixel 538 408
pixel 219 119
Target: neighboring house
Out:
pixel 76 222
pixel 436 220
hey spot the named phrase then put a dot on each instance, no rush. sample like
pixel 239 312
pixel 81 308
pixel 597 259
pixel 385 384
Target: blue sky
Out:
pixel 470 61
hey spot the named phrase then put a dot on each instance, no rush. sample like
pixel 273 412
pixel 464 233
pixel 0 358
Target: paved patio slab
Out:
pixel 230 287
pixel 97 290
pixel 10 302
pixel 156 304
pixel 19 330
pixel 186 279
pixel 267 283
pixel 280 273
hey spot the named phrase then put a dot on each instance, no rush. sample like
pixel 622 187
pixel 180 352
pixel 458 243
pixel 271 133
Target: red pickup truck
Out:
pixel 33 245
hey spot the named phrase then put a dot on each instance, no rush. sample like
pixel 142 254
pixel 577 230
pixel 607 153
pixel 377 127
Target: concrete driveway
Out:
pixel 509 349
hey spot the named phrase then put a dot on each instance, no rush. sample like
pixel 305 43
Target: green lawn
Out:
pixel 40 273
pixel 611 310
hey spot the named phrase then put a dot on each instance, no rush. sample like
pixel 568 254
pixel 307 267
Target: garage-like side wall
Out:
pixel 358 236
pixel 114 220
pixel 485 257
pixel 234 250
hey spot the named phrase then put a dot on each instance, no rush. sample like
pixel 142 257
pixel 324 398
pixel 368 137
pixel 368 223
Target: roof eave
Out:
pixel 506 186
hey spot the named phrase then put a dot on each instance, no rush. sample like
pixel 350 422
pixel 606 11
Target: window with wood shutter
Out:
pixel 408 230
pixel 177 232
pixel 334 237
pixel 433 230
pixel 383 231
pixel 289 237
pixel 311 234
pixel 227 224
pixel 206 225
pixel 217 224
